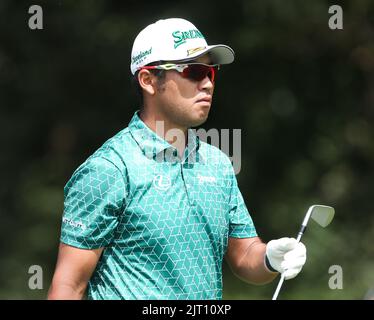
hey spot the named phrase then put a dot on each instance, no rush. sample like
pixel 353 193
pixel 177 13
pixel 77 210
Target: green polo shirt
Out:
pixel 164 222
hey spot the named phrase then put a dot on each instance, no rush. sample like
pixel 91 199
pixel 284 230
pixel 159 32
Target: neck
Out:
pixel 174 134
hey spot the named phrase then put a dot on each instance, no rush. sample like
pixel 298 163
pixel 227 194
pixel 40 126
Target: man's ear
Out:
pixel 147 81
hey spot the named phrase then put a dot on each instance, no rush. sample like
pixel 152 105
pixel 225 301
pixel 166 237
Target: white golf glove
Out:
pixel 286 256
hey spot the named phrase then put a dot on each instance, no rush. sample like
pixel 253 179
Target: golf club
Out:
pixel 321 214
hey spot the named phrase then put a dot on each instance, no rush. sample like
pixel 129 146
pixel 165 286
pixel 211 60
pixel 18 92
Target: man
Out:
pixel 151 215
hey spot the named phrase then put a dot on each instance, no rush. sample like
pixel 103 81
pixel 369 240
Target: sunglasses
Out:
pixel 192 71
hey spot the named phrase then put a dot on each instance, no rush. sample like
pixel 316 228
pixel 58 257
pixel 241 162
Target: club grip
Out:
pixel 301 232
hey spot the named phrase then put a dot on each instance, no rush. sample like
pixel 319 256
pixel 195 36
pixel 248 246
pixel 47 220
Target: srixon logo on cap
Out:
pixel 181 37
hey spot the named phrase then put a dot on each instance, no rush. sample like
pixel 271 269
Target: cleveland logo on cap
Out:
pixel 180 37
pixel 141 55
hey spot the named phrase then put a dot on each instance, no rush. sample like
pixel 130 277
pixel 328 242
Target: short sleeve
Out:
pixel 93 200
pixel 240 221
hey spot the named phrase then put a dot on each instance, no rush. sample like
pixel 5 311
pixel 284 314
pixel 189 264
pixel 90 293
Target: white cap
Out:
pixel 174 39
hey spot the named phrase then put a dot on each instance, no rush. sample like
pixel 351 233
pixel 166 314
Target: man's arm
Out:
pixel 73 271
pixel 246 258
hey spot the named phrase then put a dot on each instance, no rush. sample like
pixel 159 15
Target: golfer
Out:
pixel 154 211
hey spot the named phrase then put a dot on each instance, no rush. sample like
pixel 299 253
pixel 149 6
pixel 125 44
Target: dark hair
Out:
pixel 160 74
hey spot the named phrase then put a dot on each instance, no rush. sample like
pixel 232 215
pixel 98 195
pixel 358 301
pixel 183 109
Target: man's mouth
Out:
pixel 205 99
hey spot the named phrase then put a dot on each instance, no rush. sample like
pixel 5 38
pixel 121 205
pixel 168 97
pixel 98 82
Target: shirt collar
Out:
pixel 152 144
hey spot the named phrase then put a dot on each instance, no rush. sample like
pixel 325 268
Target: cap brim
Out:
pixel 219 53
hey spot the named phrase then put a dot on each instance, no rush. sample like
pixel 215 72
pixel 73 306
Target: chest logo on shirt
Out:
pixel 161 182
pixel 206 179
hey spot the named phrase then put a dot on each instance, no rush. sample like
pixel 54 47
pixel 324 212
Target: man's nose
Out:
pixel 206 84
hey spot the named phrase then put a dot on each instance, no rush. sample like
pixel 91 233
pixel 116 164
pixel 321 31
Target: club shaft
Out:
pixel 280 283
pixel 281 280
pixel 301 232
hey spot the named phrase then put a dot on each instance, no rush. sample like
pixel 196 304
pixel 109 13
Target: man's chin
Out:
pixel 199 120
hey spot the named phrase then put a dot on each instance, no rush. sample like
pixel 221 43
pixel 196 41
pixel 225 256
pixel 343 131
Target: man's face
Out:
pixel 185 102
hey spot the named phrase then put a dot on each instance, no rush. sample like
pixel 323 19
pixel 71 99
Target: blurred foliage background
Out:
pixel 302 94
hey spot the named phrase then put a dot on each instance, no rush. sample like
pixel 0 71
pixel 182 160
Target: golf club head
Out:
pixel 323 215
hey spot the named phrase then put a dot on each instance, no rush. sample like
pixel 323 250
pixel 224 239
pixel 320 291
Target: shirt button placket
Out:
pixel 187 186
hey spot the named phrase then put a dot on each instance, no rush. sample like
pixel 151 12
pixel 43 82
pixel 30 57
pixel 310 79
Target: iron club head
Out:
pixel 323 215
